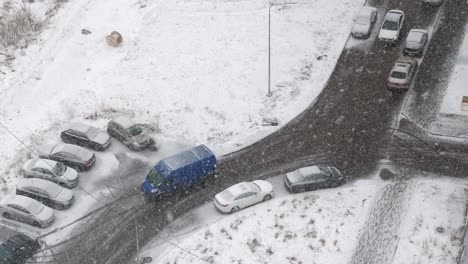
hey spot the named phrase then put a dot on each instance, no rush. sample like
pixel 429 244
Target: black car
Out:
pixel 16 248
pixel 130 134
pixel 71 155
pixel 86 136
pixel 313 178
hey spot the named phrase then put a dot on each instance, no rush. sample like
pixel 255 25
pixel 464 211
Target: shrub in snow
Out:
pixel 15 24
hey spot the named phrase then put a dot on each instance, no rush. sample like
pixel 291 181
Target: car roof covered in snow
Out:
pixel 309 170
pixel 393 15
pixel 124 121
pixel 80 127
pixel 43 164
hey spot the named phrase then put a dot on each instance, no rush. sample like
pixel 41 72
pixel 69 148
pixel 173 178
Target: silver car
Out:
pixel 364 22
pixel 402 74
pixel 415 42
pixel 86 136
pixel 73 156
pixel 51 170
pixel 129 133
pixel 46 192
pixel 27 210
pixel 391 26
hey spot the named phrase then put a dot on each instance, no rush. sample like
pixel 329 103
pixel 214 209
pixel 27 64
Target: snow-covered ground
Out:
pixel 193 71
pixel 196 71
pixel 458 84
pixel 322 226
pixel 433 228
pixel 318 227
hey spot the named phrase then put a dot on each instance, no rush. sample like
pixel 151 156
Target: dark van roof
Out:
pixel 187 157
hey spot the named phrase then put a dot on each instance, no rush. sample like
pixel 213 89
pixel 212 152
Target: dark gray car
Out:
pixel 415 42
pixel 129 133
pixel 71 155
pixel 15 247
pixel 313 178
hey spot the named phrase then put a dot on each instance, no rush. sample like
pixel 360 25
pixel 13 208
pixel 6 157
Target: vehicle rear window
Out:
pixel 398 75
pixel 227 195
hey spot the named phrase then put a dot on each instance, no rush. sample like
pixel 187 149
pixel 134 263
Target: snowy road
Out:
pixel 346 127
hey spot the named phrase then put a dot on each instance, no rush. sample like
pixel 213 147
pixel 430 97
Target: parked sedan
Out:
pixel 415 42
pixel 129 133
pixel 86 136
pixel 402 74
pixel 364 22
pixel 313 178
pixel 391 26
pixel 51 170
pixel 27 210
pixel 15 247
pixel 242 195
pixel 71 155
pixel 46 192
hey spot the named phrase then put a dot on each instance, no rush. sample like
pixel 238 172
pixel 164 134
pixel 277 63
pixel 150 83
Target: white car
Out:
pixel 46 192
pixel 243 195
pixel 364 22
pixel 27 210
pixel 52 171
pixel 391 26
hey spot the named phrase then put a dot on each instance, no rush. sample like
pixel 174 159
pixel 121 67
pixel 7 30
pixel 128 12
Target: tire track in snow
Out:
pixel 379 238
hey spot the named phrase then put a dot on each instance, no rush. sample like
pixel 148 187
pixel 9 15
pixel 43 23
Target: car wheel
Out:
pixel 235 209
pixel 266 197
pixel 36 224
pixel 7 215
pixel 63 185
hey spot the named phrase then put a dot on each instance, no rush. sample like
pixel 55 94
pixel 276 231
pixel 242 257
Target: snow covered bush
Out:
pixel 16 22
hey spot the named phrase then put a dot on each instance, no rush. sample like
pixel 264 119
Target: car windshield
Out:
pixel 92 132
pixel 154 177
pixel 398 75
pixel 362 20
pixel 325 171
pixel 59 169
pixel 134 130
pixel 415 37
pixel 390 25
pixel 6 251
pixel 253 187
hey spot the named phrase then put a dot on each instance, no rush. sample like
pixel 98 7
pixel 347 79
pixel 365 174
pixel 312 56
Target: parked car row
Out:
pixel 405 67
pixel 392 24
pixel 47 179
pixel 246 194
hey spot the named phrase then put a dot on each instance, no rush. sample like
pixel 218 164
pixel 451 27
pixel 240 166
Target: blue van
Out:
pixel 179 171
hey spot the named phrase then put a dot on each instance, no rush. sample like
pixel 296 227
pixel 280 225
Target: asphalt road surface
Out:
pixel 348 126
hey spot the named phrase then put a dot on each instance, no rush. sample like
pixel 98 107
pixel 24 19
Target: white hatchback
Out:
pixel 243 195
pixel 391 26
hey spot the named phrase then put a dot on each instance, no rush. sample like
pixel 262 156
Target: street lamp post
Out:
pixel 269 44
